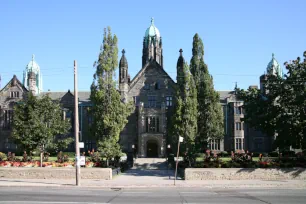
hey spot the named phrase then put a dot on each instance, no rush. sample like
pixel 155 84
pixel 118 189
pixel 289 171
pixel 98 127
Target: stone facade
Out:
pixel 55 173
pixel 12 93
pixel 245 174
pixel 238 135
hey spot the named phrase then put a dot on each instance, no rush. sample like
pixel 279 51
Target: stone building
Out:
pixel 152 91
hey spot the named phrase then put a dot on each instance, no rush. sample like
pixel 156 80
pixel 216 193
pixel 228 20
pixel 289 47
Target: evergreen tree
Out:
pixel 109 112
pixel 39 123
pixel 184 120
pixel 210 115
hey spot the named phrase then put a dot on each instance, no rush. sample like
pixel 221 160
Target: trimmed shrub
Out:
pixel 223 154
pixel 69 154
pixel 273 154
pixel 256 154
pixel 2 156
pixel 288 153
pixel 199 155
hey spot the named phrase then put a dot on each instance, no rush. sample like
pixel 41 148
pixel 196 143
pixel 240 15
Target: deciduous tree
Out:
pixel 109 111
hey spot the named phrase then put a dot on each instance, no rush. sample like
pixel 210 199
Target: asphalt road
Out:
pixel 75 195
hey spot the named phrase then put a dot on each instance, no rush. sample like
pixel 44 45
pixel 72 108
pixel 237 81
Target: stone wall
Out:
pixel 55 173
pixel 245 174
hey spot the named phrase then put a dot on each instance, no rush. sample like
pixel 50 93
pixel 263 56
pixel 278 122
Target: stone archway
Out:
pixel 152 148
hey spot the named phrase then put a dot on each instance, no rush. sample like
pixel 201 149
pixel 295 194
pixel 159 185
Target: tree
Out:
pixel 210 115
pixel 184 120
pixel 38 123
pixel 279 110
pixel 109 111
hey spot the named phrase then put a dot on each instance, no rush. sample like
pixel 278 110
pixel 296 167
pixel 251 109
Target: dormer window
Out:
pixel 14 94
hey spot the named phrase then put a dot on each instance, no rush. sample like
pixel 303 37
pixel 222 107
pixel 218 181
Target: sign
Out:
pixel 82 160
pixel 181 139
pixel 81 144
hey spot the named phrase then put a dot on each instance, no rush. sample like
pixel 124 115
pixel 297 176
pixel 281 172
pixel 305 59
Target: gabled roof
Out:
pixel 83 95
pixel 18 83
pixel 142 71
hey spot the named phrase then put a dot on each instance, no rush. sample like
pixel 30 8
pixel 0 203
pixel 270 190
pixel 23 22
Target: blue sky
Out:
pixel 239 36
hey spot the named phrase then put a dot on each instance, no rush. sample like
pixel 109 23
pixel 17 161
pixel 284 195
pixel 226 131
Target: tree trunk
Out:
pixel 107 162
pixel 41 155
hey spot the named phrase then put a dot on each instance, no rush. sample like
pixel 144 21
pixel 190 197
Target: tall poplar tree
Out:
pixel 210 115
pixel 109 111
pixel 184 120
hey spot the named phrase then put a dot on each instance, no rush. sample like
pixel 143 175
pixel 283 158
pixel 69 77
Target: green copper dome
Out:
pixel 33 66
pixel 274 67
pixel 33 69
pixel 152 31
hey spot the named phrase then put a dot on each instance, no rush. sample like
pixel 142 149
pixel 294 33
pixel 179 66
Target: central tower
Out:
pixel 152 46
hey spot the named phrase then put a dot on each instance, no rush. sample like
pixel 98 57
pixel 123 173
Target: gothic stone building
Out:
pixel 152 90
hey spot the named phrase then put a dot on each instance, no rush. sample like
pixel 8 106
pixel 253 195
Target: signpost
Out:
pixel 82 160
pixel 181 139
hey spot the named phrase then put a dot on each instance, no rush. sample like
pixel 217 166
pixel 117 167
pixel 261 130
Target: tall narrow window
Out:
pixel 8 119
pixel 152 101
pixel 238 126
pixel 169 101
pixel 152 124
pixel 136 100
pixel 238 143
pixel 157 85
pixel 147 124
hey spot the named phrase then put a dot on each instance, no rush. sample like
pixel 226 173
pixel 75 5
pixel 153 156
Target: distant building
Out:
pixel 152 90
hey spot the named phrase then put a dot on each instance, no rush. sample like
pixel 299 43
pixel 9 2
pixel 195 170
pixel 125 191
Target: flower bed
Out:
pixel 88 164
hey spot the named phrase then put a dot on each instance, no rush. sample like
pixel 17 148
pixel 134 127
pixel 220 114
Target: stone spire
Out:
pixel 123 76
pixel 180 66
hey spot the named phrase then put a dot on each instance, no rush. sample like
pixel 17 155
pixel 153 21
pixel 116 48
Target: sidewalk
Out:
pixel 151 183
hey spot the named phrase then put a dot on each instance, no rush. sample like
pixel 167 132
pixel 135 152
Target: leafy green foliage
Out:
pixel 280 108
pixel 38 122
pixel 109 111
pixel 184 120
pixel 210 115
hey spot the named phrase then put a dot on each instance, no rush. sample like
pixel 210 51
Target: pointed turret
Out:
pixel 123 68
pixel 123 76
pixel 180 67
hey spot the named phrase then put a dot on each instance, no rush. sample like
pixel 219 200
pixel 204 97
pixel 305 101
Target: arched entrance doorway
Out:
pixel 152 148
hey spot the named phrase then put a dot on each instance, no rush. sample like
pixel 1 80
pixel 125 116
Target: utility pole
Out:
pixel 177 155
pixel 76 125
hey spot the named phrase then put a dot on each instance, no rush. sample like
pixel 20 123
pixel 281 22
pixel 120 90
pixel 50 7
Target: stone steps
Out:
pixel 150 164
